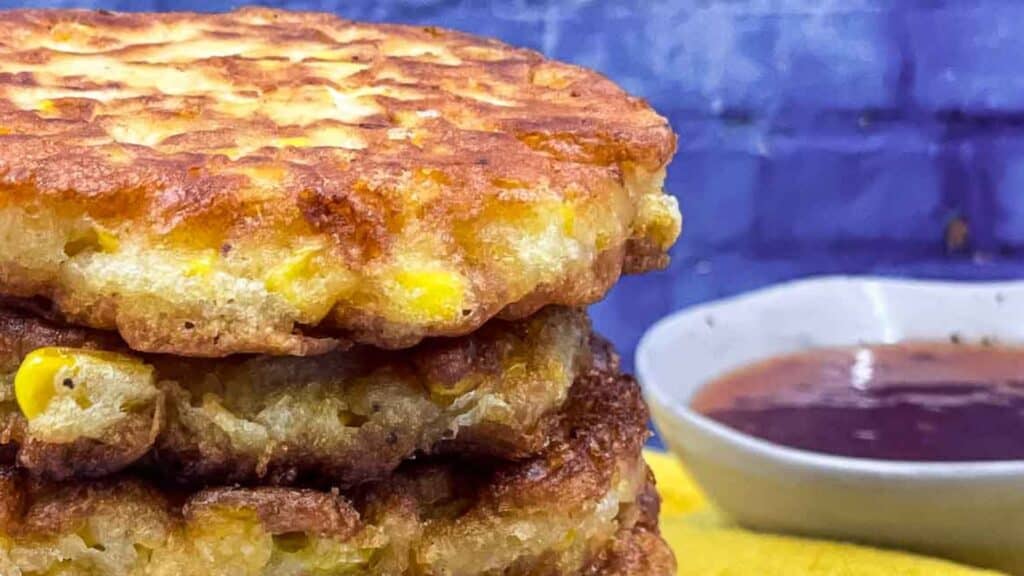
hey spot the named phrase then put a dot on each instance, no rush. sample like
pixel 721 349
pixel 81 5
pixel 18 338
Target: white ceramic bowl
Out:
pixel 971 512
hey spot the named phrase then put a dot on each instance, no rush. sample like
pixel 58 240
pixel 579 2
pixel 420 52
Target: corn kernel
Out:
pixel 44 369
pixel 299 281
pixel 296 142
pixel 201 265
pixel 435 294
pixel 107 241
pixel 297 267
pixel 568 219
pixel 35 383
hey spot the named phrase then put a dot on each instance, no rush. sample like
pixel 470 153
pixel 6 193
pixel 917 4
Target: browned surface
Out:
pixel 253 133
pixel 604 419
pixel 23 329
pixel 87 457
pixel 283 510
pixel 637 552
pixel 433 515
pixel 388 409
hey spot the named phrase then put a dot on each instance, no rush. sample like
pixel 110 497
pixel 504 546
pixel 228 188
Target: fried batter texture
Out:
pixel 278 182
pixel 343 417
pixel 585 505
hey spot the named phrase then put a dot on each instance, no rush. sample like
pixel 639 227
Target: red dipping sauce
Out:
pixel 924 402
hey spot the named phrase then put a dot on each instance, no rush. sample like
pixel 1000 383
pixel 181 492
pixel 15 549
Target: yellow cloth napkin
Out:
pixel 707 545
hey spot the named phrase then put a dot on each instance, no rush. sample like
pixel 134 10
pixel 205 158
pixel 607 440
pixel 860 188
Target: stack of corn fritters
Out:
pixel 283 294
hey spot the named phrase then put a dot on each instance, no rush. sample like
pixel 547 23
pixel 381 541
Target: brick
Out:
pixel 715 176
pixel 847 60
pixel 713 58
pixel 1005 166
pixel 968 57
pixel 851 189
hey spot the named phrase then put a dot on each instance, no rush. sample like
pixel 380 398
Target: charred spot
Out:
pixel 359 217
pixel 68 383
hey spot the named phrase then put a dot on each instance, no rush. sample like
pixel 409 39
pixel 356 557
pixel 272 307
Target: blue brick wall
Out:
pixel 816 136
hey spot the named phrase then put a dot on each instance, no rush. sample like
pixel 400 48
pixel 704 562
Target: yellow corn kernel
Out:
pixel 201 265
pixel 44 369
pixel 47 107
pixel 4 131
pixel 301 281
pixel 435 294
pixel 35 382
pixel 282 277
pixel 107 241
pixel 568 219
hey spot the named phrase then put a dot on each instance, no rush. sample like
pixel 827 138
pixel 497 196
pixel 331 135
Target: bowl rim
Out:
pixel 865 467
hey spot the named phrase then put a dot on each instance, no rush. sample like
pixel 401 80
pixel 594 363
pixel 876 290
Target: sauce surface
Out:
pixel 924 402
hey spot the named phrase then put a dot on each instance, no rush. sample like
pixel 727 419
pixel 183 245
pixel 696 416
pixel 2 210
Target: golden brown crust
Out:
pixel 125 445
pixel 283 510
pixel 605 419
pixel 639 550
pixel 23 328
pixel 48 509
pixel 344 418
pixel 636 552
pixel 129 141
pixel 585 503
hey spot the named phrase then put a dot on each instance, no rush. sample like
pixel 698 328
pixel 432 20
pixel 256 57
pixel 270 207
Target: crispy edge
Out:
pixel 597 440
pixel 639 551
pixel 283 510
pixel 573 143
pixel 155 446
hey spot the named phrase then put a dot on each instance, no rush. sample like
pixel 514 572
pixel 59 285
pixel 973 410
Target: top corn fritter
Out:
pixel 276 182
